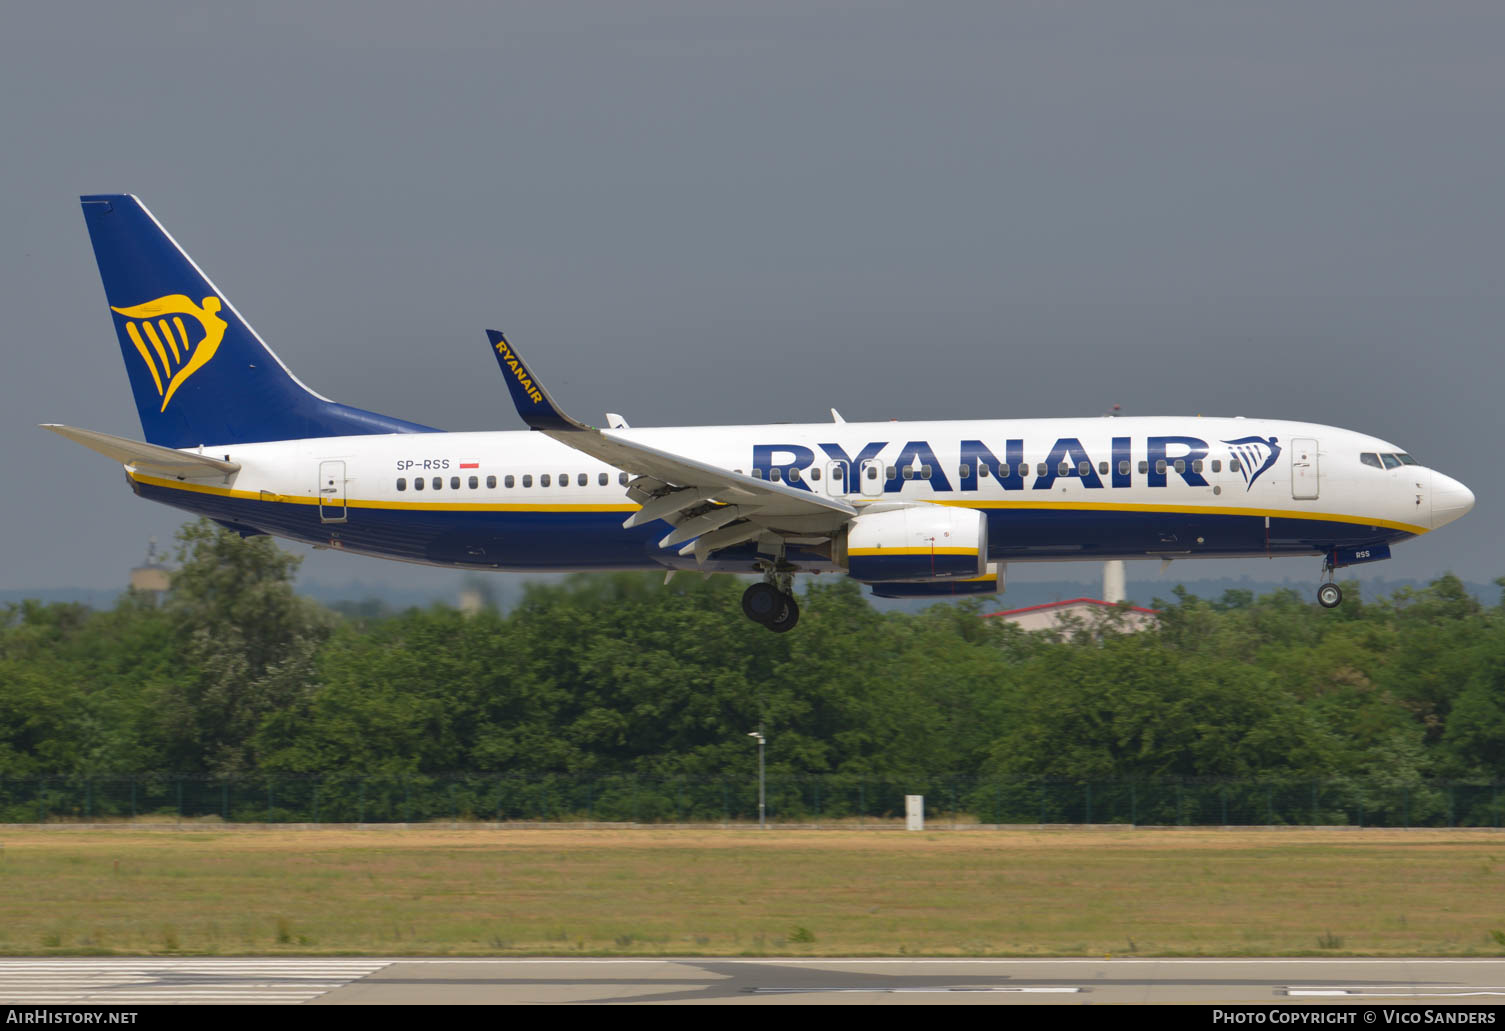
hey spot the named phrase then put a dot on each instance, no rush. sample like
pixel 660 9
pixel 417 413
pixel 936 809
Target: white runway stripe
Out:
pixel 106 982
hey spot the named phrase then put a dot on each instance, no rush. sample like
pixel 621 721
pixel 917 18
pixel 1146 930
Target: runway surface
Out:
pixel 385 982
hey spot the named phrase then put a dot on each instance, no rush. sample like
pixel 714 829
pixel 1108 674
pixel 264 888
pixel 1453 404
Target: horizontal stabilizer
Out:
pixel 147 457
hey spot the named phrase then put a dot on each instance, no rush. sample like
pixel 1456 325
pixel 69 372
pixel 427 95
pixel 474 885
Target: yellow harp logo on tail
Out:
pixel 158 331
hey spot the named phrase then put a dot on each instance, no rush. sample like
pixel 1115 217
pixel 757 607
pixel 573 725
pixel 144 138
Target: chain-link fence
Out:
pixel 474 798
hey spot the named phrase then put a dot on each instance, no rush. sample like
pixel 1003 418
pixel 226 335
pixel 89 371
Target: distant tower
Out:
pixel 152 577
pixel 1113 583
pixel 476 595
pixel 471 600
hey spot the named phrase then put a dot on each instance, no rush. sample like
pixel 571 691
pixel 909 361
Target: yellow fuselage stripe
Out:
pixel 490 506
pixel 423 506
pixel 1272 513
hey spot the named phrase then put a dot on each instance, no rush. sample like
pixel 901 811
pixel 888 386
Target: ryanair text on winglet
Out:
pixel 518 370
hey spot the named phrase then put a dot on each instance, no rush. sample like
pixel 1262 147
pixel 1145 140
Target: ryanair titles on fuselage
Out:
pixel 1166 456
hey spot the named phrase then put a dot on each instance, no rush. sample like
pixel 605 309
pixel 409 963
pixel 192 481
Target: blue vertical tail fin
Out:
pixel 199 372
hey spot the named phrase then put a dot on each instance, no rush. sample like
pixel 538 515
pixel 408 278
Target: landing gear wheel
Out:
pixel 763 603
pixel 787 617
pixel 1329 596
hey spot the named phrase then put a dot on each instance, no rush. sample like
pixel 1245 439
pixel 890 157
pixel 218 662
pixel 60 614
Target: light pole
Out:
pixel 759 735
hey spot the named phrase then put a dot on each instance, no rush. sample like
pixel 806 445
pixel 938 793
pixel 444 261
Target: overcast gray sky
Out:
pixel 694 212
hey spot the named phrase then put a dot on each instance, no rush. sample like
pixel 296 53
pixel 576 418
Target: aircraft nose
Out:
pixel 1450 500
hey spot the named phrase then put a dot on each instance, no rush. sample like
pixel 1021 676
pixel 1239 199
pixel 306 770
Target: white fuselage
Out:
pixel 1052 489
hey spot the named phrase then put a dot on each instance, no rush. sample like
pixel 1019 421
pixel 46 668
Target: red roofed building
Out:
pixel 1078 612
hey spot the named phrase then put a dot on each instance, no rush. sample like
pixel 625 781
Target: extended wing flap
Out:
pixel 760 500
pixel 146 457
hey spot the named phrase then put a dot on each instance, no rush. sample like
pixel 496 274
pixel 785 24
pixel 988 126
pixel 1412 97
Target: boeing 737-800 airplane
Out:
pixel 912 509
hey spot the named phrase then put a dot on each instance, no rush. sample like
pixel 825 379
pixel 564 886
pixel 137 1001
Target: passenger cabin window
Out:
pixel 1040 469
pixel 543 479
pixel 872 472
pixel 418 483
pixel 602 479
pixel 776 475
pixel 794 476
pixel 582 479
pixel 1196 466
pixel 1180 465
pixel 1233 465
pixel 1144 467
pixel 1083 468
pixel 1102 468
pixel 491 482
pixel 1391 462
pixel 564 479
pixel 1123 467
pixel 815 473
pixel 1160 466
pixel 1369 458
pixel 965 470
pixel 474 483
pixel 527 479
pixel 892 473
pixel 909 472
pixel 927 471
pixel 622 479
pixel 402 483
pixel 438 483
pixel 1217 465
pixel 1064 469
pixel 454 483
pixel 756 474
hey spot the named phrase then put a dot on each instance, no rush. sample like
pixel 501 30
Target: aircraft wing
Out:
pixel 712 505
pixel 183 465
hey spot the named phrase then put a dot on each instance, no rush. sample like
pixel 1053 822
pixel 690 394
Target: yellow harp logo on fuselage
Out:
pixel 164 344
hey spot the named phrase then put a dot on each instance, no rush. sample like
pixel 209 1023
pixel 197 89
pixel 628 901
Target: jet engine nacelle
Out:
pixel 990 582
pixel 917 543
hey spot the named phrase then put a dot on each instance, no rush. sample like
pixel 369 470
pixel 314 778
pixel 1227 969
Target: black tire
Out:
pixel 1329 596
pixel 787 617
pixel 762 603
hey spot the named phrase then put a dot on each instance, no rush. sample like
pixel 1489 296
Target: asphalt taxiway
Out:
pixel 401 981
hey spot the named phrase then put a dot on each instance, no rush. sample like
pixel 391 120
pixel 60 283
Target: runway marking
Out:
pixel 901 991
pixel 1415 992
pixel 167 981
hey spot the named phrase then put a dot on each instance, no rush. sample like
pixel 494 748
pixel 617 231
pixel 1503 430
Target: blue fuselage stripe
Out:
pixel 554 540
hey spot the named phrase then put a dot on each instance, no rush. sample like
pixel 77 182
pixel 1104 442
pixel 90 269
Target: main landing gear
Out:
pixel 772 602
pixel 1329 595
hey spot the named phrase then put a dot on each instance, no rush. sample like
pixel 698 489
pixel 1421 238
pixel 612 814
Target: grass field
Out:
pixel 644 891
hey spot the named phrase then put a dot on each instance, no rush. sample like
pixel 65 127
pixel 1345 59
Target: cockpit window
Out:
pixel 1370 458
pixel 1407 460
pixel 1391 462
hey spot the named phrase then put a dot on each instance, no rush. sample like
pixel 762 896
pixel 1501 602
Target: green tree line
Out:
pixel 234 675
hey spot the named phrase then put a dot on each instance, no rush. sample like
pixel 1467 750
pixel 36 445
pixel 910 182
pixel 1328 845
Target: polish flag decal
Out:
pixel 470 465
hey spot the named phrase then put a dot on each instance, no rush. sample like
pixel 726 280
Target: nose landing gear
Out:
pixel 772 603
pixel 1329 595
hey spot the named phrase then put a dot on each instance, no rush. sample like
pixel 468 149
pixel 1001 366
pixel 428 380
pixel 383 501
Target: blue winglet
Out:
pixel 533 402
